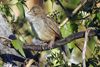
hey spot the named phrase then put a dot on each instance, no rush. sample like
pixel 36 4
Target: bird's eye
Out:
pixel 34 10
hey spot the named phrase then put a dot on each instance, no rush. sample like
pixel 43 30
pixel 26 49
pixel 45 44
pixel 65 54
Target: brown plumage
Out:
pixel 45 28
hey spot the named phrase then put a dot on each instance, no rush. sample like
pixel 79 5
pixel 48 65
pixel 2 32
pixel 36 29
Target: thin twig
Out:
pixel 62 7
pixel 29 63
pixel 2 37
pixel 73 13
pixel 78 8
pixel 85 17
pixel 84 48
pixel 63 23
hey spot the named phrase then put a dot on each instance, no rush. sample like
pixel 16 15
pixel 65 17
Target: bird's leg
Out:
pixel 38 42
pixel 51 43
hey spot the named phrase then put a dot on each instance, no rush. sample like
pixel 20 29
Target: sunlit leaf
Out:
pixel 48 6
pixel 12 1
pixel 67 30
pixel 76 56
pixel 21 10
pixel 91 43
pixel 17 44
pixel 90 47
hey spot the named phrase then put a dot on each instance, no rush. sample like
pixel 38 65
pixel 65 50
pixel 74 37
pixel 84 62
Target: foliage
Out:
pixel 87 17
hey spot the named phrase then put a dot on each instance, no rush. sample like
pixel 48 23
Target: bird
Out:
pixel 44 27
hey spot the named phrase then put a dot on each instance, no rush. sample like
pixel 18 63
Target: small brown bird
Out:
pixel 45 28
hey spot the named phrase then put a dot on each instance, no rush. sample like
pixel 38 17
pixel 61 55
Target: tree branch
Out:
pixel 67 13
pixel 63 41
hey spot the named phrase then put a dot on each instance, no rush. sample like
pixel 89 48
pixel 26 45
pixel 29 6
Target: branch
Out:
pixel 84 47
pixel 67 13
pixel 63 41
pixel 78 8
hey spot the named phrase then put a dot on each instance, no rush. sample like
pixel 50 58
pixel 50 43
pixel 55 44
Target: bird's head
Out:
pixel 35 11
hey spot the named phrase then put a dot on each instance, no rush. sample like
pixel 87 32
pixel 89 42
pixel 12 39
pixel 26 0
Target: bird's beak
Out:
pixel 29 12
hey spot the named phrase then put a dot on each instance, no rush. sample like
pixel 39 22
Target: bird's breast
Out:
pixel 42 29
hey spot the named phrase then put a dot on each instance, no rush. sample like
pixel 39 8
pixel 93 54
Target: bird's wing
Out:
pixel 53 25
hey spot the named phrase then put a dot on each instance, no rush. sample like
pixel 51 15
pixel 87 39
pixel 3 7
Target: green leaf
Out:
pixel 5 9
pixel 91 44
pixel 48 6
pixel 98 16
pixel 75 2
pixel 21 10
pixel 17 44
pixel 71 4
pixel 67 30
pixel 12 1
